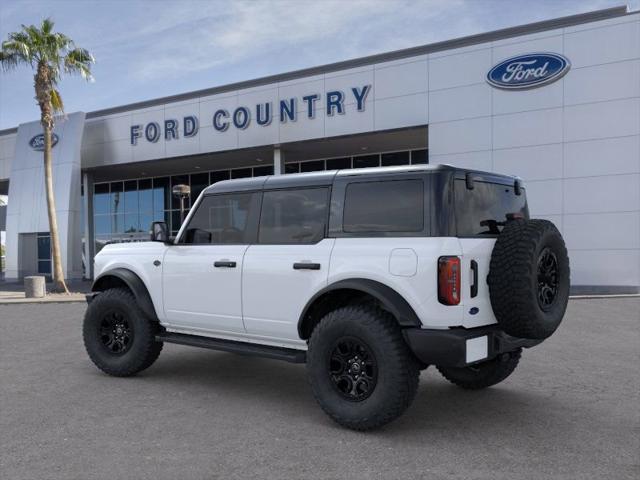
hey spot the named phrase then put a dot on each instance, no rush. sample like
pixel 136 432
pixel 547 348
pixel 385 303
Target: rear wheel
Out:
pixel 118 336
pixel 360 369
pixel 485 374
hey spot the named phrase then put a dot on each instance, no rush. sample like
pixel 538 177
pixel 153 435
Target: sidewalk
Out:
pixel 14 293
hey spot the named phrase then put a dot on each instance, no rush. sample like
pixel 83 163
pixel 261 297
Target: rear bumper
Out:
pixel 460 347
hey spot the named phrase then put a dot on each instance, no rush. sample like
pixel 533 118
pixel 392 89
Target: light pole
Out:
pixel 182 192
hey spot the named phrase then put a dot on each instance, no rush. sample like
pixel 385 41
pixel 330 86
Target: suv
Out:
pixel 367 275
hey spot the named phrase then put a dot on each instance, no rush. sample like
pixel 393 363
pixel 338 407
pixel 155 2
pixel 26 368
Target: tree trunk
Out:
pixel 59 284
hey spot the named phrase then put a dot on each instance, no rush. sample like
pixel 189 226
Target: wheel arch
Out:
pixel 123 277
pixel 345 291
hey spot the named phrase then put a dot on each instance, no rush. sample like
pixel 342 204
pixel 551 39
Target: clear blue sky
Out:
pixel 149 49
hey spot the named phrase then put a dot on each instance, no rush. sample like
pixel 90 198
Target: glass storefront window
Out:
pixel 395 158
pixel 131 203
pixel 218 176
pixel 199 181
pixel 102 224
pixel 312 166
pixel 419 157
pixel 338 163
pixel 366 161
pixel 291 167
pixel 145 195
pixel 161 194
pixel 101 198
pixel 241 173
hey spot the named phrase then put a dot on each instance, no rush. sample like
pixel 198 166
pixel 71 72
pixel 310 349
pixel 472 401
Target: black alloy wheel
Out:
pixel 353 369
pixel 547 279
pixel 116 332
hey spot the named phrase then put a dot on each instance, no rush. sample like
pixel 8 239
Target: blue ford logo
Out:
pixel 528 71
pixel 37 142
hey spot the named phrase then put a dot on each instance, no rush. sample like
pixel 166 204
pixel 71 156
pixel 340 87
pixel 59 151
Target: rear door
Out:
pixel 289 263
pixel 202 273
pixel 480 214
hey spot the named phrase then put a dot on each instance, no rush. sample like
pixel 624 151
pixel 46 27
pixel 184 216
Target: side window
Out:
pixel 384 206
pixel 222 219
pixel 294 216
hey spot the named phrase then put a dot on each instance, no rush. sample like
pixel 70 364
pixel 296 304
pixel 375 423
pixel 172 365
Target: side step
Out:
pixel 242 348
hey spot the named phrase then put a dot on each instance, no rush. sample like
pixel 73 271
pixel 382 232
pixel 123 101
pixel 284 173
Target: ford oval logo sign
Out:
pixel 37 142
pixel 528 71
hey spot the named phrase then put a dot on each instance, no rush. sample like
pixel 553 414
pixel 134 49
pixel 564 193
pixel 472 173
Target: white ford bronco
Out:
pixel 367 276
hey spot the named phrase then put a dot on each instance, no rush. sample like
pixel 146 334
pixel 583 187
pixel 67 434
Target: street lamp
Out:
pixel 182 192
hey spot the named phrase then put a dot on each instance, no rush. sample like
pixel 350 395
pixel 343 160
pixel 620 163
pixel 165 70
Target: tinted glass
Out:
pixel 291 167
pixel 218 176
pixel 387 206
pixel 221 219
pixel 44 247
pixel 241 173
pixel 161 194
pixel 395 158
pixel 262 171
pixel 294 216
pixel 131 203
pixel 483 210
pixel 366 161
pixel 419 157
pixel 313 166
pixel 199 181
pixel 117 197
pixel 339 163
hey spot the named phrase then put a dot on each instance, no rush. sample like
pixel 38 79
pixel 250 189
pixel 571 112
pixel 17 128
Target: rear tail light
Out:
pixel 449 280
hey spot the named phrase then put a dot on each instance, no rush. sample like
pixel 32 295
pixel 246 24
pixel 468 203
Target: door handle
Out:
pixel 474 271
pixel 224 263
pixel 306 266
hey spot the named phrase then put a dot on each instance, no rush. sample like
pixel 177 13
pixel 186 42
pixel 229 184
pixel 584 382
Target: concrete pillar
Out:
pixel 278 161
pixel 89 243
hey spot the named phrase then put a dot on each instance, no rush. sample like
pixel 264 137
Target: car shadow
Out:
pixel 283 387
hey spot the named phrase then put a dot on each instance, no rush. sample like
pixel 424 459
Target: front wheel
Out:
pixel 360 369
pixel 485 374
pixel 118 336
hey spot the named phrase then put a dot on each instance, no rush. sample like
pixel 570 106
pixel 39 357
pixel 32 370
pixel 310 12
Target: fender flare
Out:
pixel 387 296
pixel 135 284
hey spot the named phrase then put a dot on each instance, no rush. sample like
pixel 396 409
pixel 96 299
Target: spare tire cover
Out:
pixel 529 278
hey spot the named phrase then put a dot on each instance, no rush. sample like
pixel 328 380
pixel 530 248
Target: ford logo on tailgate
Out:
pixel 37 142
pixel 528 71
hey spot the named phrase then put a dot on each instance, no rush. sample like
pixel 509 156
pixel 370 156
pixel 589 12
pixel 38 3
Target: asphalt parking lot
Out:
pixel 570 411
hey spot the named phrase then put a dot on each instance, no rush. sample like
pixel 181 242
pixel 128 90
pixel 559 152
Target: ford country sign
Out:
pixel 528 71
pixel 37 142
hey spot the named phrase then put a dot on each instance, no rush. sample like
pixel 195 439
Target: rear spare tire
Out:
pixel 529 278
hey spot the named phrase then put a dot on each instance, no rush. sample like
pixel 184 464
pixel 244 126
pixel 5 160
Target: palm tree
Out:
pixel 50 55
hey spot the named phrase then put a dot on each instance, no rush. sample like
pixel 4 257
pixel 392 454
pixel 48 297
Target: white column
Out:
pixel 278 161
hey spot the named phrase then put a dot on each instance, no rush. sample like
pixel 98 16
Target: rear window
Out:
pixel 483 210
pixel 384 206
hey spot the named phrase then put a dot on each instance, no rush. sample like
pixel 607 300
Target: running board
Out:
pixel 242 348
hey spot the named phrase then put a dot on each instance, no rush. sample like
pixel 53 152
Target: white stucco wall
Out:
pixel 576 142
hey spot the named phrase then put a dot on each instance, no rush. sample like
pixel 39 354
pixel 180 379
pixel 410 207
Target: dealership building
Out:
pixel 556 103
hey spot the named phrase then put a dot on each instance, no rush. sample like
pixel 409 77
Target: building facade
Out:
pixel 556 103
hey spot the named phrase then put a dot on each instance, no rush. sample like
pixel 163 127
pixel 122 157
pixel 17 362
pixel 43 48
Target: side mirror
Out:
pixel 159 232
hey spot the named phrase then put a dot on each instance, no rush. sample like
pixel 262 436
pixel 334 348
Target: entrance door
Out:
pixel 289 264
pixel 202 273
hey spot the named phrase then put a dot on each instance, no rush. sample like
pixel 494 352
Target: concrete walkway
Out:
pixel 14 293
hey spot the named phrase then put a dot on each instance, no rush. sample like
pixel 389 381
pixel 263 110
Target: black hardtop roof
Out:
pixel 326 178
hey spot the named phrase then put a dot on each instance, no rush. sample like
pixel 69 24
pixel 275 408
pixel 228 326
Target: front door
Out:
pixel 202 272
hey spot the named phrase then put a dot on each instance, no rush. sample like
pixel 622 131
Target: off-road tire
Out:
pixel 485 374
pixel 515 281
pixel 143 349
pixel 397 370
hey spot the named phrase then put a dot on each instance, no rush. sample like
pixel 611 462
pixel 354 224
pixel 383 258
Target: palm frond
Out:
pixel 56 101
pixel 79 61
